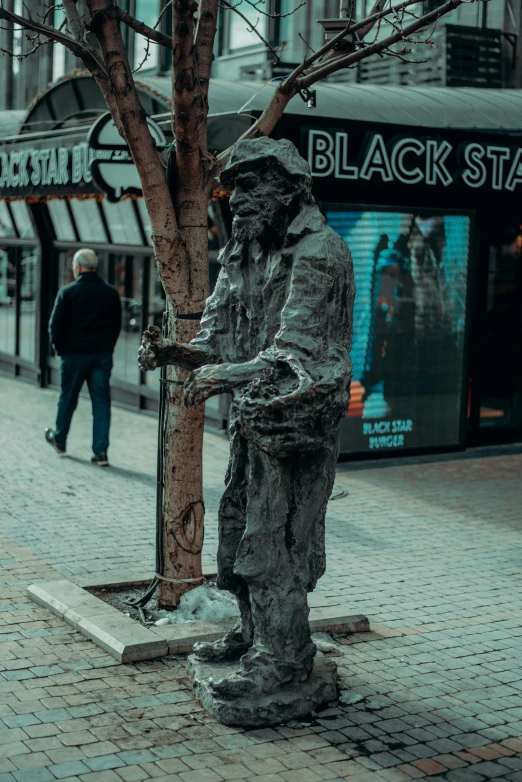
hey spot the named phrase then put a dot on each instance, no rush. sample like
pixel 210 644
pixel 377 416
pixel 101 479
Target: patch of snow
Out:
pixel 378 703
pixel 202 604
pixel 324 642
pixel 349 697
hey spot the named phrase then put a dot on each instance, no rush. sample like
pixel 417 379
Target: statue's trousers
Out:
pixel 272 542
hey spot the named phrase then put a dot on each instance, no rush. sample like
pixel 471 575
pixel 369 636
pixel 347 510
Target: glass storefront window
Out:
pixel 501 380
pixel 7 300
pixel 62 223
pixel 88 220
pixel 22 219
pixel 145 219
pixel 122 222
pixel 22 261
pixel 409 320
pixel 65 275
pixel 28 284
pixel 128 280
pixel 6 224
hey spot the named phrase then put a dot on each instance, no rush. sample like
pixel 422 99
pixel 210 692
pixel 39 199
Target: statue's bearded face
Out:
pixel 259 204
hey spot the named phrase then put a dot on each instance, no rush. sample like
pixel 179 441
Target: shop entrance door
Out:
pixel 498 406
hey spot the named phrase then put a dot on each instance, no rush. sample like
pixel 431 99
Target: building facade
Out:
pixel 27 77
pixel 422 184
pixel 477 45
pixel 420 180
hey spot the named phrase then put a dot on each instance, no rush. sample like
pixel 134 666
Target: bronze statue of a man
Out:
pixel 276 334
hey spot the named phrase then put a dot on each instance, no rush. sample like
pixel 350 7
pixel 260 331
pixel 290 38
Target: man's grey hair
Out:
pixel 86 258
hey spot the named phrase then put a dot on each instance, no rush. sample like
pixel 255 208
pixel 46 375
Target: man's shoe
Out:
pixel 100 459
pixel 49 436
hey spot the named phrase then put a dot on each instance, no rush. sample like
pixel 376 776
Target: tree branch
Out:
pixel 189 104
pixel 190 161
pixel 163 11
pixel 205 35
pixel 35 43
pixel 78 48
pixel 48 11
pixel 140 27
pixel 273 16
pixel 76 26
pixel 362 28
pixel 376 10
pixel 145 57
pixel 251 27
pixel 344 62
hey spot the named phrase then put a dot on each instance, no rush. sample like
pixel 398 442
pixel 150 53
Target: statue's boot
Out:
pixel 235 643
pixel 260 673
pixel 230 647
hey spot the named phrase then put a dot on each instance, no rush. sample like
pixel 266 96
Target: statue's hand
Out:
pixel 149 353
pixel 204 383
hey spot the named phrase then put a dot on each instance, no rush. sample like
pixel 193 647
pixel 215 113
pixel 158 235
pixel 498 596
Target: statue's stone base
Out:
pixel 289 703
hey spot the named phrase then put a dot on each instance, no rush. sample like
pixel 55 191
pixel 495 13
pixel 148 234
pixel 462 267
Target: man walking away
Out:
pixel 84 327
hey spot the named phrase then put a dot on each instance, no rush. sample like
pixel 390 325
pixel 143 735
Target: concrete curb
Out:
pixel 127 640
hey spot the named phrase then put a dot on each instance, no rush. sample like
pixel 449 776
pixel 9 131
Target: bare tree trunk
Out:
pixel 183 478
pixel 181 250
pixel 183 507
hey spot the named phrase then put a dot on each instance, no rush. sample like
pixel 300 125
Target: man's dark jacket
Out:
pixel 86 317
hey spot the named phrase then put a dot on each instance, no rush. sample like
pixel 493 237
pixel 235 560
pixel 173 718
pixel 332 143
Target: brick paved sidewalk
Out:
pixel 431 553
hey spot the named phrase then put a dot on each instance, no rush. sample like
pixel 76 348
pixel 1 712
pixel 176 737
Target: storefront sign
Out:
pixel 414 161
pixel 71 164
pixel 46 167
pixel 115 174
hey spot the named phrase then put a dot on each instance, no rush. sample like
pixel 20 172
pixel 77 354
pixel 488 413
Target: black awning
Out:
pixel 10 122
pixel 458 108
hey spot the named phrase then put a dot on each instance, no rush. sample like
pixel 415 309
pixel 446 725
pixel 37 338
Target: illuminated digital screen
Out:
pixel 408 329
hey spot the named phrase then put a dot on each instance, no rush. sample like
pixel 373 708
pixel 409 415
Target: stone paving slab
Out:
pixel 61 596
pixel 127 640
pixel 430 551
pixel 122 637
pixel 181 638
pixel 67 711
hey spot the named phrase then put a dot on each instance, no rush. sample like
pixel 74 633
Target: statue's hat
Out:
pixel 250 153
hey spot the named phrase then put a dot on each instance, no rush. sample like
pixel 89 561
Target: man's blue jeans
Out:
pixel 74 371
